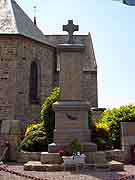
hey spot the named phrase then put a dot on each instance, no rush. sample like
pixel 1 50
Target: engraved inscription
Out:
pixel 72 115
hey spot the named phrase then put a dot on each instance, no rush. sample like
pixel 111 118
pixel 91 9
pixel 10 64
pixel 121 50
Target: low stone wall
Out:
pixel 117 155
pixel 23 157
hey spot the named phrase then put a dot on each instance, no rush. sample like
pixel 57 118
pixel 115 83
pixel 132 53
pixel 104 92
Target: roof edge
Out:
pixel 21 35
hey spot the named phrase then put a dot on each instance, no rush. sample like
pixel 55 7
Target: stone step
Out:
pixel 50 158
pixel 102 167
pixel 116 166
pixel 38 166
pixel 100 157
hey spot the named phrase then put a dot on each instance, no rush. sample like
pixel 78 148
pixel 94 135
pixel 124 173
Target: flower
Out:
pixel 61 153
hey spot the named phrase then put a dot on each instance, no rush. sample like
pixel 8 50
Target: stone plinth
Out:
pixel 50 158
pixel 71 121
pixel 68 135
pixel 86 147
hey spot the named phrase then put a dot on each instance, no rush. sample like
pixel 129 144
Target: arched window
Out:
pixel 34 83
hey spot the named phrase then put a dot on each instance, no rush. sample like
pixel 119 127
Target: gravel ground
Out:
pixel 90 175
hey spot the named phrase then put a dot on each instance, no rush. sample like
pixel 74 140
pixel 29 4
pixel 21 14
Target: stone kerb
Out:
pixel 116 154
pixel 50 158
pixel 23 157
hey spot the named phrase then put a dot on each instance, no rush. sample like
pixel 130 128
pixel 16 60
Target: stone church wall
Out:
pixel 44 56
pixel 16 55
pixel 8 53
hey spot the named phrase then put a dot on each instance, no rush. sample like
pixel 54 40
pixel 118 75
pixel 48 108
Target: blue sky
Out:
pixel 112 27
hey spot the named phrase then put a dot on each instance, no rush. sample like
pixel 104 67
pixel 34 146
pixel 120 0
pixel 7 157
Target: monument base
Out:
pixel 68 135
pixel 86 147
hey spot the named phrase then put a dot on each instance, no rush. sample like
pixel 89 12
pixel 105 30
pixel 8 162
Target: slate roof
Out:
pixel 13 20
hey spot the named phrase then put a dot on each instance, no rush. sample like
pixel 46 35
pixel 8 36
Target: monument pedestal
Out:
pixel 71 123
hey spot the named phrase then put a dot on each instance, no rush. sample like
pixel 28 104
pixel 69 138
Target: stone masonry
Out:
pixel 23 44
pixel 17 54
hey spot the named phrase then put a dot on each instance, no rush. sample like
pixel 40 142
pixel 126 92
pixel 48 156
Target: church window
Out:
pixel 34 83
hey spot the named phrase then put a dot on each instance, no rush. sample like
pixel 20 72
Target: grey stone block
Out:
pixel 90 157
pixel 38 166
pixel 116 166
pixel 50 158
pixel 23 157
pixel 89 147
pixel 100 158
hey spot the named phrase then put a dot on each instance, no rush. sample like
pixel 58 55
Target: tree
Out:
pixel 110 121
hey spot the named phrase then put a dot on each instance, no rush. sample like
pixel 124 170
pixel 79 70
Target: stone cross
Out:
pixel 70 28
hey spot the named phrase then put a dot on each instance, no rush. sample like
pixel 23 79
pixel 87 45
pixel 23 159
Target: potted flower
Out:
pixel 76 147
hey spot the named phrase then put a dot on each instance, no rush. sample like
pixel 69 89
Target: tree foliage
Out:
pixel 110 121
pixel 48 115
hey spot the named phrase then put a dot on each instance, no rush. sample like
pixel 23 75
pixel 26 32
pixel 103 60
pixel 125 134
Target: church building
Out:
pixel 29 65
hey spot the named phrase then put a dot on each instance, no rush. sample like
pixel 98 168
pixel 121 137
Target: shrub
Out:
pixel 48 115
pixel 102 137
pixel 32 127
pixel 111 119
pixel 36 141
pixel 38 136
pixel 76 146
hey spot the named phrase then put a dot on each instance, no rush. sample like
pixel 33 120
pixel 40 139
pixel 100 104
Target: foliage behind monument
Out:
pixel 48 115
pixel 38 136
pixel 110 122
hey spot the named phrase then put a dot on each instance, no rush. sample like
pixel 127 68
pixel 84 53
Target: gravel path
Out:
pixel 90 175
